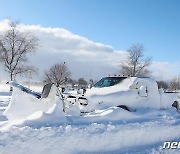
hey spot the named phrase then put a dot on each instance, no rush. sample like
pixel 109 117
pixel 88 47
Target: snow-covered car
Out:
pixel 129 93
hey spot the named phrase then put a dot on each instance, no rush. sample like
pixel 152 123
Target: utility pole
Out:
pixel 29 76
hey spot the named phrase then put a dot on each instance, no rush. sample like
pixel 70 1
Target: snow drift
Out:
pixel 23 104
pixel 106 130
pixel 133 92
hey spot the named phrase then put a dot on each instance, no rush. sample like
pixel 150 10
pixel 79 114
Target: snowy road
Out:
pixel 145 133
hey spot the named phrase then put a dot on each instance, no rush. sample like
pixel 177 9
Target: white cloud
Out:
pixel 84 57
pixel 164 70
pixel 4 25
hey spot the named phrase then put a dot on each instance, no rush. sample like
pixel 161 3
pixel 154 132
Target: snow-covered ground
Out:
pixel 114 131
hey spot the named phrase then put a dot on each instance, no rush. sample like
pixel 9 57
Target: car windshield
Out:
pixel 109 81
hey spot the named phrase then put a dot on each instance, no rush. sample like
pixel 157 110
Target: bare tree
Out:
pixel 58 74
pixel 175 83
pixel 82 83
pixel 91 83
pixel 162 84
pixel 15 45
pixel 136 64
pixel 71 82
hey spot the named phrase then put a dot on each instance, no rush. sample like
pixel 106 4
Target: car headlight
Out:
pixel 83 101
pixel 71 99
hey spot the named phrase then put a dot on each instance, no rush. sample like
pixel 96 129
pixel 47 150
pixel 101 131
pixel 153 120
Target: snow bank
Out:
pixel 103 100
pixel 106 130
pixel 94 138
pixel 4 87
pixel 23 104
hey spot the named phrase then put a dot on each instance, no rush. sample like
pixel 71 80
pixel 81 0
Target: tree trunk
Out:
pixel 11 88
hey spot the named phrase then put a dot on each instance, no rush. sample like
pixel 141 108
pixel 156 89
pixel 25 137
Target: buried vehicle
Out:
pixel 129 93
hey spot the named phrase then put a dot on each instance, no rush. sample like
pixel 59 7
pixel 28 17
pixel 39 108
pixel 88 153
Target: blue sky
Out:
pixel 119 23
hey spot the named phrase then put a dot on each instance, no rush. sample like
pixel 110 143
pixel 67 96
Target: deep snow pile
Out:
pixel 110 130
pixel 27 104
pixel 102 100
pixel 143 136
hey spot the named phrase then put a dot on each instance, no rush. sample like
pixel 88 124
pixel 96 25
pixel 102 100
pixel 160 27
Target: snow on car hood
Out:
pixel 125 93
pixel 123 86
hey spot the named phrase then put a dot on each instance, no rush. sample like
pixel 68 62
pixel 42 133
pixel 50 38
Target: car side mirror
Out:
pixel 143 92
pixel 81 91
pixel 63 89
